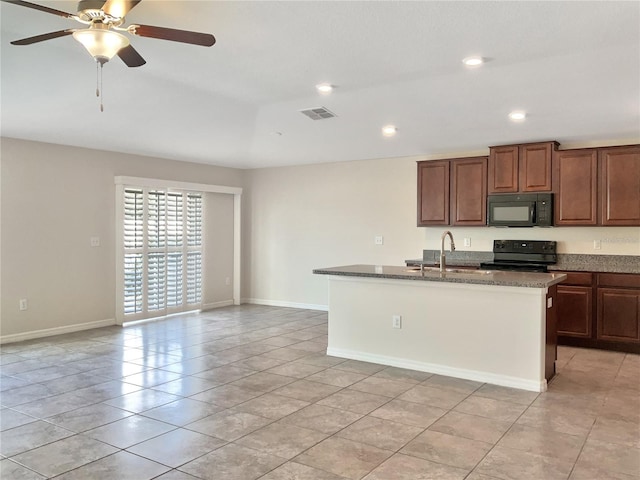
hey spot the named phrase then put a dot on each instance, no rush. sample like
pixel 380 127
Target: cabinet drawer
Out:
pixel 578 278
pixel 618 280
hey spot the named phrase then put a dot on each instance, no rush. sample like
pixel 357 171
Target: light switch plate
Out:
pixel 378 240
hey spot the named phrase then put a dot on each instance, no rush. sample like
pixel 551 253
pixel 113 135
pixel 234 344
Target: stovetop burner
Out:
pixel 522 255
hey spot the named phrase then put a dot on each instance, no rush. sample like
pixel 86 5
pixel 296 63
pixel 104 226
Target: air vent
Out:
pixel 318 113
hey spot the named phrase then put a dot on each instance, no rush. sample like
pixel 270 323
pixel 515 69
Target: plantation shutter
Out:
pixel 162 252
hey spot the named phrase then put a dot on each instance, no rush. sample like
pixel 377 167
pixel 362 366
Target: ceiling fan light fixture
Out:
pixel 103 45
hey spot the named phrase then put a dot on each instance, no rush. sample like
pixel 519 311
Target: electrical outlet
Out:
pixel 378 240
pixel 227 281
pixel 23 304
pixel 597 244
pixel 397 321
pixel 467 242
pixel 95 241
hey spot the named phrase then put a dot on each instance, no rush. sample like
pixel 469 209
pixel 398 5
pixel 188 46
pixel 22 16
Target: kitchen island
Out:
pixel 489 326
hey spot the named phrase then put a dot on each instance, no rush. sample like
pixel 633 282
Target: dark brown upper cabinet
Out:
pixel 620 185
pixel 575 184
pixel 521 168
pixel 433 193
pixel 503 169
pixel 452 192
pixel 469 191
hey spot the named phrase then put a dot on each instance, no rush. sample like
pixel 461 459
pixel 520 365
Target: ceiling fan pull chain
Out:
pixel 97 81
pixel 101 88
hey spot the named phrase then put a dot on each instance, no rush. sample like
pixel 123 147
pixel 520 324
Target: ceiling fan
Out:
pixel 105 19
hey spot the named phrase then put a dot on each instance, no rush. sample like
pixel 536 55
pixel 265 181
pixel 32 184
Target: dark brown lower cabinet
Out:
pixel 619 315
pixel 600 310
pixel 575 311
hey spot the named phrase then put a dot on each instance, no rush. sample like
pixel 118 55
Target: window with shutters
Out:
pixel 162 258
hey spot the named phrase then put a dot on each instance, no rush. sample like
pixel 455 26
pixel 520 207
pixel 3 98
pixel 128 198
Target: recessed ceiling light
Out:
pixel 389 130
pixel 473 61
pixel 517 116
pixel 324 88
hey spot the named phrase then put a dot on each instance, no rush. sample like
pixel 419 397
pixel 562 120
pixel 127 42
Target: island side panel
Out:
pixel 493 334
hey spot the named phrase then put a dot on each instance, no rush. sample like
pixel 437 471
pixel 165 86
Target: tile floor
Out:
pixel 242 393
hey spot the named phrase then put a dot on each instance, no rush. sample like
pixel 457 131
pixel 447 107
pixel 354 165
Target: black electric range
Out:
pixel 522 255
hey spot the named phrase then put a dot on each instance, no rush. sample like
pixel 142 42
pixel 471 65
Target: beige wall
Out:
pixel 327 215
pixel 54 199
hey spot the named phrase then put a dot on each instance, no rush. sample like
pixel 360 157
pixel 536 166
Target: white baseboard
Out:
pixel 278 303
pixel 49 332
pixel 478 376
pixel 220 304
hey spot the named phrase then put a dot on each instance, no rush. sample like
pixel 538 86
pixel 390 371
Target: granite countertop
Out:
pixel 566 261
pixel 481 277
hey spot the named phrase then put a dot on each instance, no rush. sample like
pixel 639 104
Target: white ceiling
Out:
pixel 573 66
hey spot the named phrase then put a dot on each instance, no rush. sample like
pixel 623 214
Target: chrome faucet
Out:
pixel 453 248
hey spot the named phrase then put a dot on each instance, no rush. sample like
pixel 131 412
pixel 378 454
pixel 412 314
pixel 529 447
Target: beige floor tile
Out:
pixel 307 390
pixel 29 436
pixel 263 381
pixel 226 396
pixel 380 433
pixel 447 449
pixel 186 386
pixel 507 394
pixel 471 426
pixel 557 420
pixel 584 472
pixel 616 429
pixel 343 457
pixel 13 470
pixel 436 397
pixel 403 375
pixel 354 401
pixel 404 467
pixel 610 456
pixel 121 465
pixel 297 471
pixel 232 462
pixel 129 431
pixel 409 413
pixel 182 411
pixel 177 447
pixel 490 408
pixel 509 464
pixel 229 426
pixel 336 377
pixel 282 440
pixel 381 386
pixel 64 455
pixel 11 419
pixel 89 417
pixel 81 375
pixel 271 406
pixel 543 442
pixel 357 366
pixel 295 369
pixel 323 419
pixel 451 383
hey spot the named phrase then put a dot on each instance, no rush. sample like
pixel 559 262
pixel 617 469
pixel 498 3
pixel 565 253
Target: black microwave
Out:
pixel 520 210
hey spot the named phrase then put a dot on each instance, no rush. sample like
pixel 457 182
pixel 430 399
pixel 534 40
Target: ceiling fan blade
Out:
pixel 43 37
pixel 131 57
pixel 42 8
pixel 184 36
pixel 119 8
